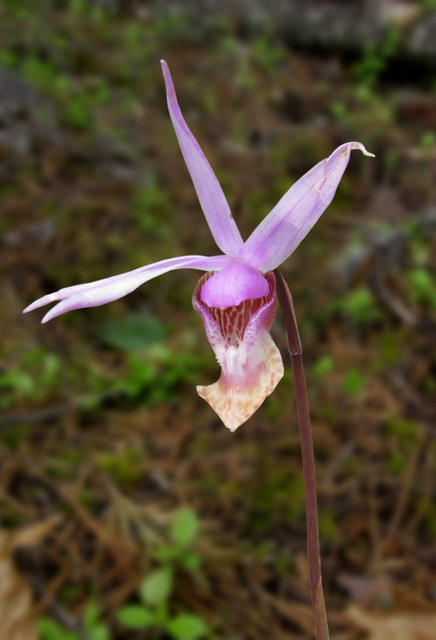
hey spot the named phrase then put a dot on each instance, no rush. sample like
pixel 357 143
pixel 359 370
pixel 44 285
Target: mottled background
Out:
pixel 103 438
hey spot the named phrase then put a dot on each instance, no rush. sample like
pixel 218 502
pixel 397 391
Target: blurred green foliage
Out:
pixel 152 208
pixel 422 286
pixel 354 382
pixel 36 376
pixel 268 55
pixel 359 307
pixel 91 627
pixel 152 370
pixel 376 57
pixel 428 5
pixel 133 332
pixel 155 591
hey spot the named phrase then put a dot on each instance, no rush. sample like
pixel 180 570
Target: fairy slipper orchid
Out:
pixel 236 298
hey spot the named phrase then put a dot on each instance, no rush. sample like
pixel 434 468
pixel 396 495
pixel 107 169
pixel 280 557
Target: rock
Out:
pixel 26 120
pixel 333 25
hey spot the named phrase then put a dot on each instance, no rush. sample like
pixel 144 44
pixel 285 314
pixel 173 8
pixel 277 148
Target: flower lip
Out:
pixel 235 283
pixel 250 361
pixel 232 321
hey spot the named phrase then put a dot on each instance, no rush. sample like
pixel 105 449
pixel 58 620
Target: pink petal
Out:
pixel 234 284
pixel 209 192
pixel 279 234
pixel 93 294
pixel 250 361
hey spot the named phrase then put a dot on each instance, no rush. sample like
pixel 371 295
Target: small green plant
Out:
pixel 360 307
pixel 77 113
pixel 174 26
pixel 152 373
pixel 395 463
pixel 133 333
pixel 428 5
pixel 155 591
pixel 339 109
pixel 25 8
pixel 422 286
pixel 267 55
pixel 372 64
pixel 427 140
pixel 32 378
pixel 40 73
pixel 354 382
pixel 376 58
pixel 389 348
pixel 8 59
pixel 323 365
pixel 83 8
pixel 362 107
pixel 90 627
pixel 125 464
pixel 406 431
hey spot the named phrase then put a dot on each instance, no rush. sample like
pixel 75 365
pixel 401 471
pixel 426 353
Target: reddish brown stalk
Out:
pixel 313 548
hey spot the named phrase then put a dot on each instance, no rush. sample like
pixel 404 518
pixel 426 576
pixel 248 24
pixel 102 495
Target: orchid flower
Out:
pixel 236 297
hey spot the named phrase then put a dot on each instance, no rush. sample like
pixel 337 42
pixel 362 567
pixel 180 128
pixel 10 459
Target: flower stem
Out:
pixel 313 548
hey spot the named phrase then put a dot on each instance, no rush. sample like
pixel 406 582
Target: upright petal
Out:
pixel 93 294
pixel 250 361
pixel 209 192
pixel 279 234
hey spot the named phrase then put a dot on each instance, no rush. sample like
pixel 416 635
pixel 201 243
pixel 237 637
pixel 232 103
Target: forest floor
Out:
pixel 103 439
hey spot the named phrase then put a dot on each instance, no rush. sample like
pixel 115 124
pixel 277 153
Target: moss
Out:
pixel 125 465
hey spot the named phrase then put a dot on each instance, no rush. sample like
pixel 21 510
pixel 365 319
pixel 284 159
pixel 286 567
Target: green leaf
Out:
pixel 162 615
pixel 354 382
pixel 135 617
pixel 166 554
pixel 422 286
pixel 187 626
pixel 191 561
pixel 157 586
pixel 91 615
pixel 99 632
pixel 49 629
pixel 184 527
pixel 323 365
pixel 361 307
pixel 132 333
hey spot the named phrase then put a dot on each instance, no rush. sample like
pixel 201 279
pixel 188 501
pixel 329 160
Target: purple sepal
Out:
pixel 280 233
pixel 93 294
